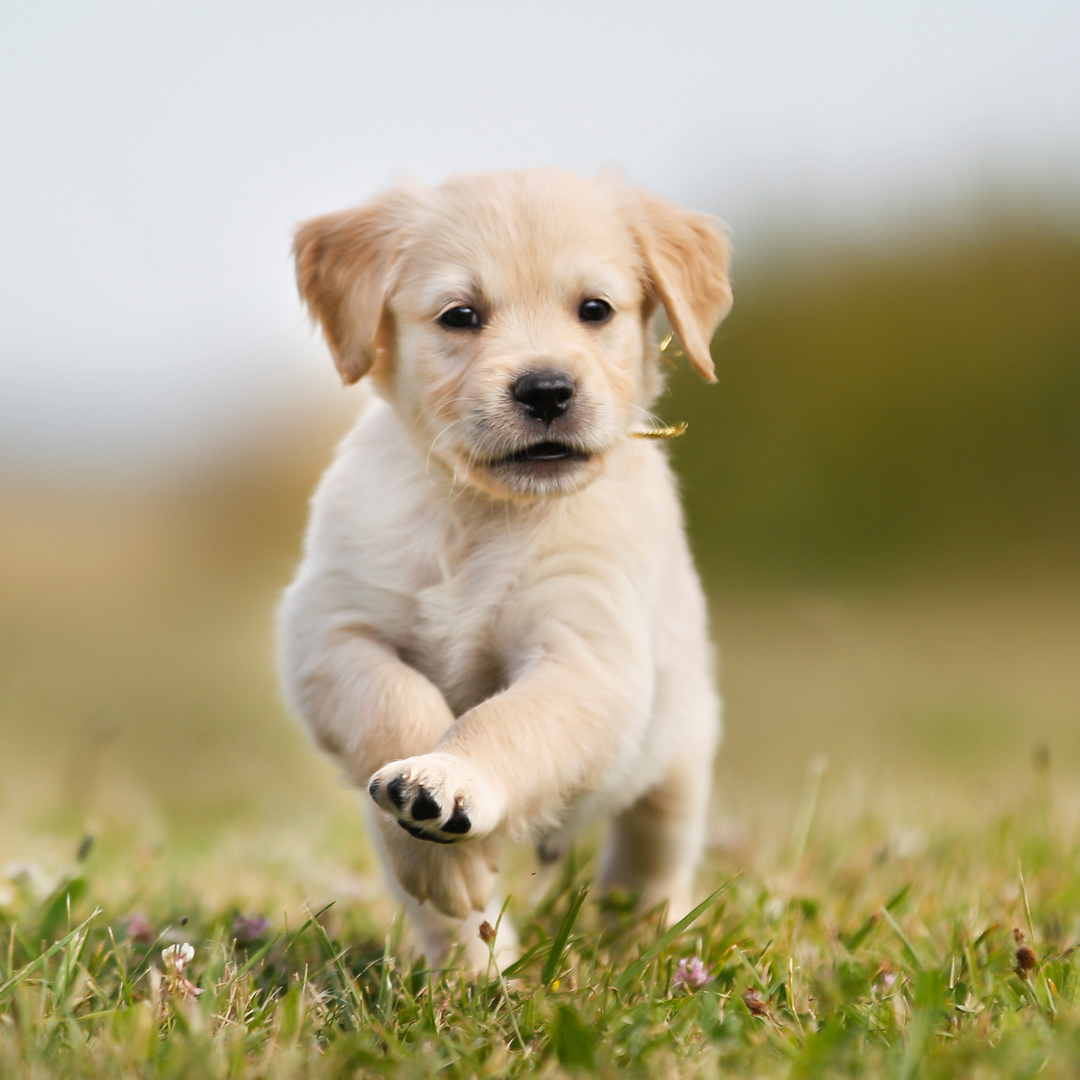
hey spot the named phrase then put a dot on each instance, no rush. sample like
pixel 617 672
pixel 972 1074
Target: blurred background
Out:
pixel 883 490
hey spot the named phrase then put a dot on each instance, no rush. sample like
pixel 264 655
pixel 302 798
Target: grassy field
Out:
pixel 153 793
pixel 896 829
pixel 858 948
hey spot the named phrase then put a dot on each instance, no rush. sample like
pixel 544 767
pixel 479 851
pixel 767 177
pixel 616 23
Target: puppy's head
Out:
pixel 507 316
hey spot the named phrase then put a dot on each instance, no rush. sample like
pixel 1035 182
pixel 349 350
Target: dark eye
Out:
pixel 594 310
pixel 460 318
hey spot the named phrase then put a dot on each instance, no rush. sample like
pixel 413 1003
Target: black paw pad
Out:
pixel 421 834
pixel 424 807
pixel 394 792
pixel 459 823
pixel 373 789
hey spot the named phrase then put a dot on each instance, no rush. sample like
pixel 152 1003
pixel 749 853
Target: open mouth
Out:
pixel 544 452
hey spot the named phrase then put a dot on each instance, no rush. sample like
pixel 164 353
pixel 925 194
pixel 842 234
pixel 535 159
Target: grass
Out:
pixel 872 953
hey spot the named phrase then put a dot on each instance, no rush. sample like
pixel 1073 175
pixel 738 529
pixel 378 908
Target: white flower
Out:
pixel 176 958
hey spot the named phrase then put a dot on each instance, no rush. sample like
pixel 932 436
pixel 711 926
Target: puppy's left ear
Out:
pixel 344 268
pixel 686 256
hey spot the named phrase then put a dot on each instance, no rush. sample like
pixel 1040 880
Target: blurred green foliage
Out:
pixel 879 412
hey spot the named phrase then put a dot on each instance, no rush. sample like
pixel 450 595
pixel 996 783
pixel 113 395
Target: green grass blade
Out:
pixel 904 939
pixel 898 898
pixel 293 938
pixel 852 941
pixel 523 961
pixel 258 955
pixel 634 971
pixel 58 906
pixel 558 946
pixel 348 983
pixel 572 1040
pixel 36 965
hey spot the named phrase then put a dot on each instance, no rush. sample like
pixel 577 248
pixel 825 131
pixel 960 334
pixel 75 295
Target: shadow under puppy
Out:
pixel 497 628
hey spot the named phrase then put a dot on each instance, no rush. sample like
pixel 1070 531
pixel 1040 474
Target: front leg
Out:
pixel 361 702
pixel 571 718
pixel 365 706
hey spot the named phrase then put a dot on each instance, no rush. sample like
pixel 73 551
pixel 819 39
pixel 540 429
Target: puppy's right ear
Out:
pixel 344 268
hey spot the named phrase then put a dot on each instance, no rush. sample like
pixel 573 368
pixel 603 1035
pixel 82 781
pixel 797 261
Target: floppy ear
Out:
pixel 686 256
pixel 344 268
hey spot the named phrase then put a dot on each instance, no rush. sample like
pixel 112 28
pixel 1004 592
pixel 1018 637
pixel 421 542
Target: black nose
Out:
pixel 545 394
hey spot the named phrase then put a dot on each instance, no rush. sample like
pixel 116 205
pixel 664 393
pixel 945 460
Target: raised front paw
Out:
pixel 437 797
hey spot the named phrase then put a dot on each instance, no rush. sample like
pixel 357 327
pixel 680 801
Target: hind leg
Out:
pixel 438 935
pixel 656 843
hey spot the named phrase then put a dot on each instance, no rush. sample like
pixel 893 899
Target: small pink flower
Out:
pixel 139 928
pixel 249 928
pixel 691 973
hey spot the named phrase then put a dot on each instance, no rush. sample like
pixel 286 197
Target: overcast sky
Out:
pixel 154 158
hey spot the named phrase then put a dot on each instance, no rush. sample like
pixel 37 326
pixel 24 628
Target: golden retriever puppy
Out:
pixel 497 628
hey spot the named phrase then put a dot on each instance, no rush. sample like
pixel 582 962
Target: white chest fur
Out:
pixel 454 636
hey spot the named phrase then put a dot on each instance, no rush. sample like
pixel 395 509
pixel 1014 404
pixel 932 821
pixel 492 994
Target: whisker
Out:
pixel 431 448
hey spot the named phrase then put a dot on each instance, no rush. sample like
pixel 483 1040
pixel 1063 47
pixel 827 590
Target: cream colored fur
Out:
pixel 525 642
